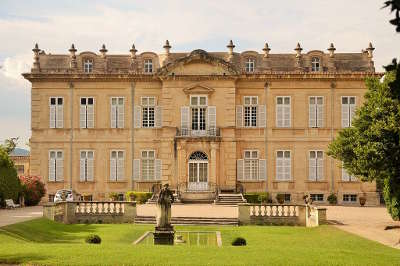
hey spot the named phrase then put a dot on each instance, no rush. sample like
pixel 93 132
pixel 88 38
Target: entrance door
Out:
pixel 198 171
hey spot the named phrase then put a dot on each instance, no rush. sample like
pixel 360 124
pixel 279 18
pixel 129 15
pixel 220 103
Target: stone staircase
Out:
pixel 229 199
pixel 189 220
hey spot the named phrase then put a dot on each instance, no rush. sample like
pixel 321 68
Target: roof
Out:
pixel 19 152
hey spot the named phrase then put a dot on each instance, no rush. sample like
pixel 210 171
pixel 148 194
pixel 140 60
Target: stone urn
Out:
pixel 362 200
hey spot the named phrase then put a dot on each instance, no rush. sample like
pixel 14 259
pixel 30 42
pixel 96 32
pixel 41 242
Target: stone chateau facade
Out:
pixel 204 122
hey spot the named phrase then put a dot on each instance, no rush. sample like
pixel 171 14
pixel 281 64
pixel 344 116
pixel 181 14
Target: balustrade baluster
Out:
pixel 258 210
pixel 280 210
pixel 274 210
pixel 285 211
pixel 123 208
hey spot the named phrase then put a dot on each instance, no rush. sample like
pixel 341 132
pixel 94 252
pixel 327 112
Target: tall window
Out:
pixel 283 165
pixel 315 64
pixel 348 110
pixel 88 65
pixel 117 165
pixel 250 111
pixel 148 105
pixel 56 165
pixel 86 166
pixel 148 165
pixel 87 112
pixel 117 112
pixel 316 166
pixel 347 177
pixel 250 65
pixel 316 111
pixel 56 112
pixel 148 66
pixel 283 111
pixel 198 106
pixel 251 165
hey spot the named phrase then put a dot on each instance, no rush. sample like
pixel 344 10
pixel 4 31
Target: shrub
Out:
pixel 10 186
pixel 239 241
pixel 257 197
pixel 280 198
pixel 93 239
pixel 139 197
pixel 332 199
pixel 33 189
pixel 113 196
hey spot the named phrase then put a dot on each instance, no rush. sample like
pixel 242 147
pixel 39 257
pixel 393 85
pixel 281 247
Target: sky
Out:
pixel 188 25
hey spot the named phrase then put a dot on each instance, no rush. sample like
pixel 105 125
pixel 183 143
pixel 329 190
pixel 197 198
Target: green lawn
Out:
pixel 48 243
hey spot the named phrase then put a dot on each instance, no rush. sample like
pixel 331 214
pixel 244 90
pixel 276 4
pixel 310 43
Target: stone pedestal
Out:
pixel 164 236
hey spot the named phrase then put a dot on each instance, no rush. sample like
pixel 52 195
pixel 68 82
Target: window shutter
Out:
pixel 120 168
pixel 312 169
pixel 90 169
pixel 320 169
pixel 320 115
pixel 113 169
pixel 345 115
pixel 287 115
pixel 136 169
pixel 239 116
pixel 82 116
pixel 279 116
pixel 113 116
pixel 212 120
pixel 352 112
pixel 121 116
pixel 60 116
pixel 138 116
pixel 239 169
pixel 158 116
pixel 52 111
pixel 52 170
pixel 90 116
pixel 60 169
pixel 158 169
pixel 262 164
pixel 82 170
pixel 261 116
pixel 311 116
pixel 185 121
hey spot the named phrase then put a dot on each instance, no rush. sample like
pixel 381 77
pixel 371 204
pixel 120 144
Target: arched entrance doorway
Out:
pixel 198 171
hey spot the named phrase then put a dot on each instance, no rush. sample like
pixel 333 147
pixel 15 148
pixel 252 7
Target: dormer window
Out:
pixel 88 65
pixel 250 65
pixel 148 66
pixel 315 64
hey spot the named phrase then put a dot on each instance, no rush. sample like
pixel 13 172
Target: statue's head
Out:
pixel 166 185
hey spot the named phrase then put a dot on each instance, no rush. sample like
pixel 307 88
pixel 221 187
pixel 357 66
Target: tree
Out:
pixel 10 186
pixel 33 189
pixel 394 6
pixel 10 144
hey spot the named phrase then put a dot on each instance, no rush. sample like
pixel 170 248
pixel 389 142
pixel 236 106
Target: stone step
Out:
pixel 189 220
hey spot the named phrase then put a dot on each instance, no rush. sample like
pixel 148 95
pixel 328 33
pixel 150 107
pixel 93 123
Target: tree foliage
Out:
pixel 370 149
pixel 33 189
pixel 10 144
pixel 10 186
pixel 394 7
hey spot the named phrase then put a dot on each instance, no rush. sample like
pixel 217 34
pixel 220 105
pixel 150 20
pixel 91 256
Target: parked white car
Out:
pixel 64 195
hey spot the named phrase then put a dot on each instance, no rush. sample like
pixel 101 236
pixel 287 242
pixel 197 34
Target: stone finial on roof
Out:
pixel 72 52
pixel 331 50
pixel 103 51
pixel 370 49
pixel 230 47
pixel 266 49
pixel 36 63
pixel 167 47
pixel 298 50
pixel 133 51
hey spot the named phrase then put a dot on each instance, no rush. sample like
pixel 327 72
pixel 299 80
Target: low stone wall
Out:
pixel 91 212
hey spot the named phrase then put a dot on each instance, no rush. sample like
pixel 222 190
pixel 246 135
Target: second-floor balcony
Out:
pixel 191 133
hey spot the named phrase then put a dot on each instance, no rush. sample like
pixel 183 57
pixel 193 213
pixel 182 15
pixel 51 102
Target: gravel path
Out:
pixel 19 215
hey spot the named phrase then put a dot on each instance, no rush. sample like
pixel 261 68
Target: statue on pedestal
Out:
pixel 164 231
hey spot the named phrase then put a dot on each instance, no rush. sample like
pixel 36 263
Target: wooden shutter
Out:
pixel 113 168
pixel 345 115
pixel 90 169
pixel 90 116
pixel 212 120
pixel 239 115
pixel 60 116
pixel 60 169
pixel 82 116
pixel 52 111
pixel 136 169
pixel 311 115
pixel 138 116
pixel 52 169
pixel 262 164
pixel 261 116
pixel 158 169
pixel 320 115
pixel 113 115
pixel 121 116
pixel 158 116
pixel 185 120
pixel 82 169
pixel 239 169
pixel 120 167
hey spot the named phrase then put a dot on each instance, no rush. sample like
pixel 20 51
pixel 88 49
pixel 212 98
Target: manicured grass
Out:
pixel 48 243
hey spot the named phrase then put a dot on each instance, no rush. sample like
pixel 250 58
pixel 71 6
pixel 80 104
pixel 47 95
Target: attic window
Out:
pixel 88 65
pixel 148 66
pixel 250 65
pixel 315 64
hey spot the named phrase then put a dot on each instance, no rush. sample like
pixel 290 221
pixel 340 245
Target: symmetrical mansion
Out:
pixel 204 122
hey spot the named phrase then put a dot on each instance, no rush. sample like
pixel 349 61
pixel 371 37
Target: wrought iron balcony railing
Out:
pixel 186 132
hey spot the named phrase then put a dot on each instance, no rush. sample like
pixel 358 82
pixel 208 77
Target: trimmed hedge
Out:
pixel 93 239
pixel 257 197
pixel 239 241
pixel 139 197
pixel 332 199
pixel 10 186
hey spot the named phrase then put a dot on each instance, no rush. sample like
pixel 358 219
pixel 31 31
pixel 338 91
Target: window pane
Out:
pixel 344 100
pixel 247 100
pixel 151 154
pixel 312 100
pixel 287 100
pixel 120 101
pixel 280 154
pixel 254 100
pixel 320 154
pixel 114 101
pixel 203 101
pixel 247 154
pixel 320 100
pixel 60 101
pixel 144 101
pixel 52 154
pixel 90 154
pixel 90 101
pixel 352 100
pixel 254 154
pixel 114 154
pixel 83 101
pixel 151 101
pixel 59 154
pixel 83 154
pixel 144 154
pixel 312 154
pixel 287 154
pixel 279 100
pixel 120 154
pixel 194 101
pixel 52 101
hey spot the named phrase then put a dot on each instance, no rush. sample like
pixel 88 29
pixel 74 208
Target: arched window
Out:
pixel 198 156
pixel 250 65
pixel 315 64
pixel 88 65
pixel 198 171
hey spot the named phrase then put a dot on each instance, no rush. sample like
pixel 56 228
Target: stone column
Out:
pixel 213 168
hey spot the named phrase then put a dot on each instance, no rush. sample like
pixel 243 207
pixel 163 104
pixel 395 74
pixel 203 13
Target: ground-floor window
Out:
pixel 349 198
pixel 286 197
pixel 317 197
pixel 198 171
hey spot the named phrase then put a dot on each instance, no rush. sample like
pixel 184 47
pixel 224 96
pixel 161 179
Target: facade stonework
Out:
pixel 202 122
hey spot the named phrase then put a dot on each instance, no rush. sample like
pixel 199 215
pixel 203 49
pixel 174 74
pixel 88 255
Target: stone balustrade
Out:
pixel 85 208
pixel 274 210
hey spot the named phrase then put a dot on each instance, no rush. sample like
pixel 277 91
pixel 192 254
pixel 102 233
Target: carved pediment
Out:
pixel 198 62
pixel 198 89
